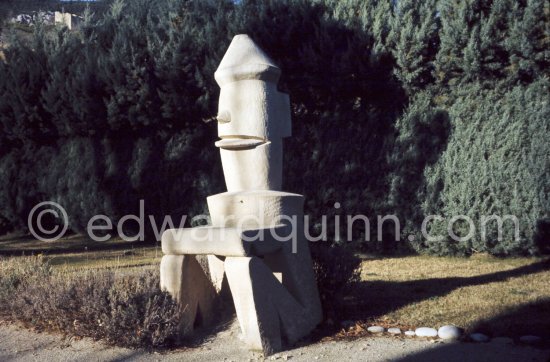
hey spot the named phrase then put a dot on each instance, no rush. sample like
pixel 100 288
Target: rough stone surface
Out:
pixel 410 333
pixel 183 277
pixel 449 332
pixel 376 329
pixel 394 331
pixel 479 337
pixel 426 332
pixel 251 107
pixel 256 240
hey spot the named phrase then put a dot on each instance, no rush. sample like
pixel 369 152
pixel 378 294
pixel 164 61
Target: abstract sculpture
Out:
pixel 256 239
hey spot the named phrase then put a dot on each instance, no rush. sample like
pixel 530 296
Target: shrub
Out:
pixel 336 271
pixel 15 273
pixel 492 40
pixel 124 308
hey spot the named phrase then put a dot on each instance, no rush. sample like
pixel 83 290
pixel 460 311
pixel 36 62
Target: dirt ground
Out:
pixel 18 344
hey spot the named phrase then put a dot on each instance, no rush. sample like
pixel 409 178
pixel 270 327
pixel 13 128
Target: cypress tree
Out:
pixel 415 41
pixel 398 107
pixel 529 43
pixel 495 163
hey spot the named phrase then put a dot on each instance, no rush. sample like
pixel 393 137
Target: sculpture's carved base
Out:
pixel 272 281
pixel 183 277
pixel 268 314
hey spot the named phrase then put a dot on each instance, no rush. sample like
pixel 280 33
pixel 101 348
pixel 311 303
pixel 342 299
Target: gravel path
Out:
pixel 17 344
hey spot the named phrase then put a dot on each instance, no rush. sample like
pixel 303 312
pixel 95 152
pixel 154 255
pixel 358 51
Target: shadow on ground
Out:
pixel 528 319
pixel 370 300
pixel 488 352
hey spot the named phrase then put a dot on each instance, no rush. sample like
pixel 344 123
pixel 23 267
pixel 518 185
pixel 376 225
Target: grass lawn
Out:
pixel 501 297
pixel 135 257
pixel 15 244
pixel 77 252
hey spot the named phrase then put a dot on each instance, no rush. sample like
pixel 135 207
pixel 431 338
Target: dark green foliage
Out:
pixel 334 74
pixel 414 42
pixel 423 135
pixel 101 118
pixel 22 116
pixel 336 272
pixel 144 72
pixel 496 163
pixel 491 40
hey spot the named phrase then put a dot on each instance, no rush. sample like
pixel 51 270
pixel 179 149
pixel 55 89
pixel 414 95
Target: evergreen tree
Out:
pixel 528 43
pixel 433 107
pixel 415 41
pixel 23 74
pixel 496 163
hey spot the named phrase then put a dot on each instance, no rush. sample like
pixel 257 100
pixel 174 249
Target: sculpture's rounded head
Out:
pixel 251 110
pixel 245 60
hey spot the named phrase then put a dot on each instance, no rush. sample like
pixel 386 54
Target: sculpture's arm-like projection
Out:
pixel 225 241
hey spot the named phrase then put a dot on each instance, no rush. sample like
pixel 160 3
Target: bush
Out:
pixel 336 271
pixel 122 308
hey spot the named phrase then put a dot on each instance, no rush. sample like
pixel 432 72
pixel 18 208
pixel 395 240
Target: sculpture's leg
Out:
pixel 183 277
pixel 267 312
pixel 217 271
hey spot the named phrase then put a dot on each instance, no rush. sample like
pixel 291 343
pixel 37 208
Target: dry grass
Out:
pixel 498 296
pixel 138 257
pixel 15 243
pixel 79 252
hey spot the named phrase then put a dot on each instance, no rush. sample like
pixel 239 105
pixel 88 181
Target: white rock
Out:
pixel 530 339
pixel 410 333
pixel 394 331
pixel 479 337
pixel 426 332
pixel 376 329
pixel 449 332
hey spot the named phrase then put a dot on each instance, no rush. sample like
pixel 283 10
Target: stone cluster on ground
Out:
pixel 452 333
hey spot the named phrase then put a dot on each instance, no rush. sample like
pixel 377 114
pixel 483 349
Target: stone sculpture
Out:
pixel 256 239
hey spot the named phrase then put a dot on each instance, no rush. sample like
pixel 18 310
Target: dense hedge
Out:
pixel 394 108
pixel 496 162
